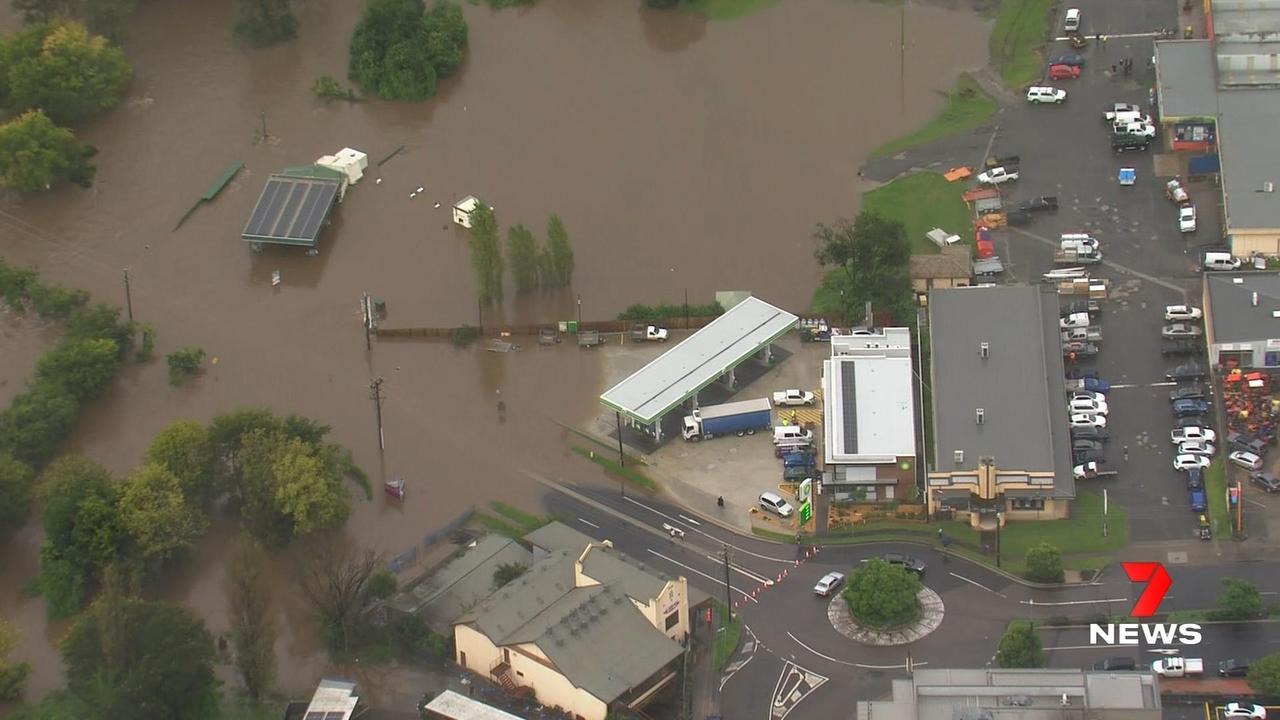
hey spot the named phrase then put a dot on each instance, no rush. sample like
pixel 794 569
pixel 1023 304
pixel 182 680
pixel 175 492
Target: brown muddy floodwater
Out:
pixel 680 153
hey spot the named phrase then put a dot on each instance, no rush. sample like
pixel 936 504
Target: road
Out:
pixel 793 650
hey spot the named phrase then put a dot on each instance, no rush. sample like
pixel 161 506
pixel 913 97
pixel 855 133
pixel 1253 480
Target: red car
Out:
pixel 1063 72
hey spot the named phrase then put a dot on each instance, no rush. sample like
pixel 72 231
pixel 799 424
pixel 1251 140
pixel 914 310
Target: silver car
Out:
pixel 1181 330
pixel 829 584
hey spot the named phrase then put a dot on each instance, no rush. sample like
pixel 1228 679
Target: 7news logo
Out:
pixel 1157 582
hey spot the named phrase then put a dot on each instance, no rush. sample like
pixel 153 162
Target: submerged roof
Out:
pixel 677 374
pixel 1018 385
pixel 293 206
pixel 462 582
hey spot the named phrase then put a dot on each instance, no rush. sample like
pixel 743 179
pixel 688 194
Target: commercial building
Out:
pixel 1242 319
pixel 1001 443
pixel 869 427
pixel 996 694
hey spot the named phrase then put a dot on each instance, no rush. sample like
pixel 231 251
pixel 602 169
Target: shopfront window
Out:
pixel 1026 503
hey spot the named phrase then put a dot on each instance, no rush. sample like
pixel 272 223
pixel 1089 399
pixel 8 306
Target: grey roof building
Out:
pixel 998 400
pixel 999 694
pixel 462 583
pixel 1242 318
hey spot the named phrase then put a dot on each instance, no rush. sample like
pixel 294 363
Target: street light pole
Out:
pixel 579 312
pixel 728 599
pixel 128 296
pixel 997 539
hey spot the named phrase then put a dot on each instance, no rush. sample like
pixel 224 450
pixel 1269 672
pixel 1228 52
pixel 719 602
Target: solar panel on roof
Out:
pixel 324 198
pixel 285 219
pixel 307 212
pixel 259 217
pixel 849 398
pixel 291 210
pixel 335 716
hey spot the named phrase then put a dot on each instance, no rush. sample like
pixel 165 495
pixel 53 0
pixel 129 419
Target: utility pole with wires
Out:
pixel 376 393
pixel 366 310
pixel 728 599
pixel 128 296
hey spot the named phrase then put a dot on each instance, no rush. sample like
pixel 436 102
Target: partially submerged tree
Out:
pixel 335 579
pixel 253 632
pixel 263 22
pixel 522 254
pixel 559 252
pixel 185 448
pixel 486 253
pixel 64 71
pixel 872 253
pixel 157 517
pixel 399 49
pixel 35 154
pixel 15 490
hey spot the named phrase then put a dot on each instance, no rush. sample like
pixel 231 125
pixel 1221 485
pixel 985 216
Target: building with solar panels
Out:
pixel 296 203
pixel 869 417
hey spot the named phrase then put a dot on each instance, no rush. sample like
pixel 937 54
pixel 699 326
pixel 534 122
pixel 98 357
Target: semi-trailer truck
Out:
pixel 738 418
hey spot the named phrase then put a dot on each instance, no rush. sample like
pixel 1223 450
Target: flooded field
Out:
pixel 681 155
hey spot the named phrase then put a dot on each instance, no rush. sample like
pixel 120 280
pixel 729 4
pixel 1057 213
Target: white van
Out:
pixel 790 434
pixel 1220 261
pixel 1037 94
pixel 1085 238
pixel 1130 116
pixel 1072 21
pixel 1081 245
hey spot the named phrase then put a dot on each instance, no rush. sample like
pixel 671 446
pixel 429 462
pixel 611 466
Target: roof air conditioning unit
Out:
pixel 959 456
pixel 979 415
pixel 1275 313
pixel 985 350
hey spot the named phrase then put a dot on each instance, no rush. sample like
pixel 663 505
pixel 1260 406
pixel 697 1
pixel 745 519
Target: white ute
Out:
pixel 998 176
pixel 1176 667
pixel 792 397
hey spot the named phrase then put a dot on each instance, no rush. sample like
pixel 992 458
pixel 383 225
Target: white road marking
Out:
pixel 790 561
pixel 688 519
pixel 1125 386
pixel 975 582
pixel 758 578
pixel 1083 647
pixel 1070 602
pixel 588 522
pixel 1109 36
pixel 735 667
pixel 853 664
pixel 696 570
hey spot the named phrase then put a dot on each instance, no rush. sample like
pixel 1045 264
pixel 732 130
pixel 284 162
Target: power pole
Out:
pixel 375 392
pixel 579 312
pixel 367 312
pixel 728 599
pixel 902 57
pixel 128 296
pixel 622 458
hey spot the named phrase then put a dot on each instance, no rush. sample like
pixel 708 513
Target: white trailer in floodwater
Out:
pixel 463 208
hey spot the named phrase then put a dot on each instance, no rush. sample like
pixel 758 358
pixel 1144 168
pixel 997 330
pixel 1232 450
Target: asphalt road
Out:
pixel 1070 647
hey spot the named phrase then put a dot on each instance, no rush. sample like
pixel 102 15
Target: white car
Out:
pixel 1187 218
pixel 998 176
pixel 1190 462
pixel 1138 128
pixel 1088 405
pixel 828 584
pixel 1074 320
pixel 1121 109
pixel 1246 460
pixel 774 503
pixel 1044 94
pixel 1072 21
pixel 1085 471
pixel 1088 395
pixel 1182 313
pixel 1087 420
pixel 1244 711
pixel 1196 447
pixel 792 397
pixel 1192 432
pixel 1180 330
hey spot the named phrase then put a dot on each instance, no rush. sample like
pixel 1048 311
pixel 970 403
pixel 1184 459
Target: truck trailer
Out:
pixel 738 418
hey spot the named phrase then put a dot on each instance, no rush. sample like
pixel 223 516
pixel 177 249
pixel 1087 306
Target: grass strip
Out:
pixel 1215 485
pixel 1022 27
pixel 729 9
pixel 628 473
pixel 966 108
pixel 1081 533
pixel 728 636
pixel 922 201
pixel 518 516
pixel 497 525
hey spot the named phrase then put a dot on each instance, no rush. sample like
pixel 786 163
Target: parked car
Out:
pixel 1084 457
pixel 1244 711
pixel 1091 334
pixel 1082 444
pixel 1187 218
pixel 1125 143
pixel 1247 443
pixel 1182 346
pixel 1246 460
pixel 1175 192
pixel 1075 60
pixel 1016 218
pixel 1087 420
pixel 1074 320
pixel 1182 313
pixel 1268 482
pixel 1186 372
pixel 905 562
pixel 1119 109
pixel 1189 421
pixel 1196 498
pixel 1187 392
pixel 1114 664
pixel 1044 203
pixel 1087 380
pixel 793 397
pixel 998 175
pixel 1195 478
pixel 1135 129
pixel 1085 471
pixel 1190 408
pixel 1087 405
pixel 1080 349
pixel 1180 330
pixel 1195 432
pixel 1233 668
pixel 829 584
pixel 1196 447
pixel 773 502
pixel 1077 306
pixel 1090 433
pixel 1063 72
pixel 1187 462
pixel 1046 94
pixel 1087 394
pixel 1071 22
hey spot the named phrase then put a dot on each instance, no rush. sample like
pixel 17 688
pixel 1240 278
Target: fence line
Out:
pixel 410 556
pixel 604 326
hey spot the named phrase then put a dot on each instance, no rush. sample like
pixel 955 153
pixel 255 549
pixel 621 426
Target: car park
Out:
pixel 1180 330
pixel 1188 434
pixel 1044 203
pixel 1084 444
pixel 1266 481
pixel 1071 59
pixel 1084 420
pixel 828 584
pixel 1196 499
pixel 905 562
pixel 1181 346
pixel 1125 143
pixel 1046 94
pixel 1247 443
pixel 1079 306
pixel 1063 72
pixel 1187 462
pixel 1233 668
pixel 1186 372
pixel 1190 408
pixel 774 503
pixel 1187 218
pixel 1090 433
pixel 1088 405
pixel 1187 392
pixel 1246 460
pixel 1196 447
pixel 1182 313
pixel 1244 711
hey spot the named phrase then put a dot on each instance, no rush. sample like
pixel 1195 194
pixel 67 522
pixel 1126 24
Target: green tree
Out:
pixel 12 676
pixel 186 449
pixel 872 253
pixel 559 253
pixel 506 572
pixel 253 632
pixel 102 16
pixel 263 22
pixel 15 490
pixel 229 431
pixel 72 77
pixel 141 660
pixel 156 515
pixel 335 579
pixel 389 55
pixel 1264 675
pixel 184 363
pixel 382 585
pixel 101 321
pixel 1044 564
pixel 35 154
pixel 81 366
pixel 288 487
pixel 881 595
pixel 1019 647
pixel 1239 600
pixel 36 421
pixel 522 252
pixel 486 253
pixel 57 705
pixel 446 37
pixel 82 529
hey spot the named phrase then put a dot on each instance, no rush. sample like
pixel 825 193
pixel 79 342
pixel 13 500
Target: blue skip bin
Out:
pixel 1127 176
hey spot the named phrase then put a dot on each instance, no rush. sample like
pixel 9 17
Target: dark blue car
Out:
pixel 1072 59
pixel 797 460
pixel 1189 407
pixel 1197 501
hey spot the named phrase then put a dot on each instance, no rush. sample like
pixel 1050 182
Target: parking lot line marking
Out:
pixel 689 520
pixel 1108 263
pixel 975 582
pixel 588 522
pixel 744 551
pixel 696 570
pixel 1032 601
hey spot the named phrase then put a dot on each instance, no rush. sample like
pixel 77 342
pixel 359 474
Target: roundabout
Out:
pixel 930 618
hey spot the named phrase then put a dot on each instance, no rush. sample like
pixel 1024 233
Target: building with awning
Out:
pixel 295 203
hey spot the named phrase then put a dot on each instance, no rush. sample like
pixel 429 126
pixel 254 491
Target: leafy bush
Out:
pixel 15 490
pixel 63 70
pixel 663 311
pixel 882 596
pixel 184 363
pixel 415 640
pixel 327 88
pixel 81 366
pixel 399 49
pixel 53 302
pixel 1044 564
pixel 382 584
pixel 36 421
pixel 464 336
pixel 263 22
pixel 148 347
pixel 1020 647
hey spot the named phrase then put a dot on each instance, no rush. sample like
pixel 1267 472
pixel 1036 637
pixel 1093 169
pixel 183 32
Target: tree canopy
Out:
pixel 559 264
pixel 1239 600
pixel 872 253
pixel 486 253
pixel 263 22
pixel 1044 564
pixel 881 595
pixel 185 448
pixel 63 70
pixel 522 253
pixel 289 487
pixel 1264 675
pixel 35 154
pixel 1019 647
pixel 15 490
pixel 399 49
pixel 157 517
pixel 82 531
pixel 82 366
pixel 253 631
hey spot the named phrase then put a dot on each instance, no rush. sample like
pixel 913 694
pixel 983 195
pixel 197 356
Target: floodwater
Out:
pixel 681 154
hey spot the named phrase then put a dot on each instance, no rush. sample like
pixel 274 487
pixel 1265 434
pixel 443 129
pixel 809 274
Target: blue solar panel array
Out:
pixel 290 210
pixel 849 399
